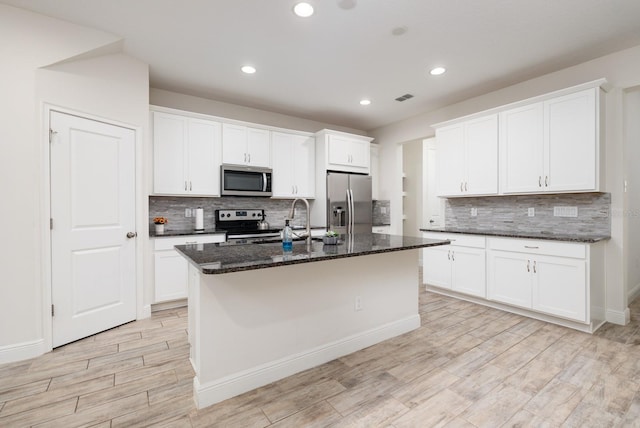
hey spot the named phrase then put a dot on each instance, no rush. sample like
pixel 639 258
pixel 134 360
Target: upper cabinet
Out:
pixel 293 160
pixel 467 158
pixel 186 155
pixel 552 145
pixel 343 152
pixel 243 145
pixel 546 144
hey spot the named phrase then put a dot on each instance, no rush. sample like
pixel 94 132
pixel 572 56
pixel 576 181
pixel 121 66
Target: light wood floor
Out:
pixel 466 366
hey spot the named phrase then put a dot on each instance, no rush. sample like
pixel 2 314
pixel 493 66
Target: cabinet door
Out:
pixel 469 271
pixel 450 155
pixel 560 287
pixel 509 279
pixel 283 164
pixel 170 276
pixel 258 147
pixel 339 150
pixel 234 144
pixel 360 153
pixel 436 266
pixel 204 157
pixel 169 154
pixel 481 140
pixel 304 166
pixel 521 149
pixel 571 142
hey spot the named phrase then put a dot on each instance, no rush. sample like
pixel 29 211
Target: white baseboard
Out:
pixel 171 304
pixel 238 383
pixel 146 312
pixel 21 351
pixel 619 317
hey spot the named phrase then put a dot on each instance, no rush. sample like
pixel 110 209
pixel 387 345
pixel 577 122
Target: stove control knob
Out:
pixel 254 214
pixel 229 215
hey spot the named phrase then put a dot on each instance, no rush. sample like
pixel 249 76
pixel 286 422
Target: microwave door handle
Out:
pixel 264 181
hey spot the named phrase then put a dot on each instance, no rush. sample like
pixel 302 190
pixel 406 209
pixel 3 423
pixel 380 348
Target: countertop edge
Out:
pixel 219 271
pixel 506 234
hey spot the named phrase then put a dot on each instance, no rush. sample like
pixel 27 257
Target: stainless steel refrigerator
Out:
pixel 349 207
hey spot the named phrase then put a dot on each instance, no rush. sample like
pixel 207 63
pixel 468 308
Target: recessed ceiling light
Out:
pixel 303 9
pixel 365 102
pixel 248 69
pixel 437 71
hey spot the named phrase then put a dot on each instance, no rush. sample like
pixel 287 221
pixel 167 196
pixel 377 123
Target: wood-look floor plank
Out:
pixel 467 365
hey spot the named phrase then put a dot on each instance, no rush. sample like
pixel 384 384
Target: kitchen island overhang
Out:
pixel 253 321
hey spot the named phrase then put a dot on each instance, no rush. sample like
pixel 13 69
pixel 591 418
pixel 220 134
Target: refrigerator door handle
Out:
pixel 351 212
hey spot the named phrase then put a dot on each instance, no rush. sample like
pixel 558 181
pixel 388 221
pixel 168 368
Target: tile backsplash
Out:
pixel 173 207
pixel 510 213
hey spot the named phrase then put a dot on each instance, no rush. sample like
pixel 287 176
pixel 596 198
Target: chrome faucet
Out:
pixel 308 227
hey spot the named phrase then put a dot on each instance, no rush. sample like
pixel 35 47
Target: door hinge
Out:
pixel 51 224
pixel 52 133
pixel 53 311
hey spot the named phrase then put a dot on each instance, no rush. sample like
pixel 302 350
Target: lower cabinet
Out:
pixel 560 282
pixel 460 266
pixel 548 277
pixel 170 268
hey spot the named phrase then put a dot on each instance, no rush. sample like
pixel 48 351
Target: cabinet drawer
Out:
pixel 169 242
pixel 531 246
pixel 459 239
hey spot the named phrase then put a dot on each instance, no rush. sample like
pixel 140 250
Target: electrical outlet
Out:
pixel 531 212
pixel 474 212
pixel 383 210
pixel 187 212
pixel 358 304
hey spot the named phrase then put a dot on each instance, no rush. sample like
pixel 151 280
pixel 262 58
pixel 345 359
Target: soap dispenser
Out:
pixel 287 237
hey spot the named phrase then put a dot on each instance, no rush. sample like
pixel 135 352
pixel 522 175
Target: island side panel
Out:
pixel 258 326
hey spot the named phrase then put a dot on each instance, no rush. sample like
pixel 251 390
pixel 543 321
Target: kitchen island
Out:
pixel 257 314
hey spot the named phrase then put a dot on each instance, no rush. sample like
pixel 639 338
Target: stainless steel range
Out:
pixel 242 226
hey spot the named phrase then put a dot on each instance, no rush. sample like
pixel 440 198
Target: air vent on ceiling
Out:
pixel 404 97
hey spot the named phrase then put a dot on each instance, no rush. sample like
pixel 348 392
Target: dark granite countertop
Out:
pixel 517 234
pixel 225 258
pixel 183 232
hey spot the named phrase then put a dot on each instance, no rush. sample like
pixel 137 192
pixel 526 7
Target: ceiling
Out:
pixel 320 67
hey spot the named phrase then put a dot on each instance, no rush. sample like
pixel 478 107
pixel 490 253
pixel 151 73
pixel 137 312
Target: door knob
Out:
pixel 131 235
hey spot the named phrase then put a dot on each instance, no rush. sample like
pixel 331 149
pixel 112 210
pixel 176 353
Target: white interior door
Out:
pixel 93 209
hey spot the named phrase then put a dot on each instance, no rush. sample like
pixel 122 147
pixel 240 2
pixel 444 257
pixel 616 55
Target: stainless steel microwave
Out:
pixel 237 180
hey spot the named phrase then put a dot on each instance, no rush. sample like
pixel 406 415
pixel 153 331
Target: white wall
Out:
pixel 160 97
pixel 29 42
pixel 632 176
pixel 412 200
pixel 621 69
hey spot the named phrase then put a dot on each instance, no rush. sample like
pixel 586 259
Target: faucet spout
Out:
pixel 308 220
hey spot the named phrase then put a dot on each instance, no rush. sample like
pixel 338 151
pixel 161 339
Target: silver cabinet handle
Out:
pixel 131 235
pixel 466 188
pixel 546 181
pixel 449 255
pixel 539 181
pixel 461 186
pixel 249 157
pixel 185 185
pixel 528 266
pixel 190 185
pixel 531 247
pixel 534 266
pixel 453 256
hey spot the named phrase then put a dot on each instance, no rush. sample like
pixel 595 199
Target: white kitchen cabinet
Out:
pixel 293 159
pixel 551 145
pixel 186 153
pixel 460 266
pixel 374 171
pixel 547 277
pixel 467 157
pixel 243 145
pixel 170 268
pixel 340 151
